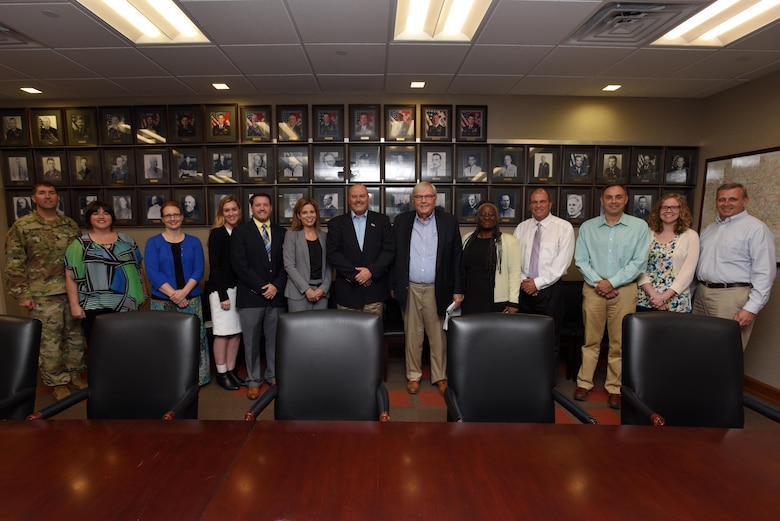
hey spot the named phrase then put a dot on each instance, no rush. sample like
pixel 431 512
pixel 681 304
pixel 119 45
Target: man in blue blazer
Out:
pixel 256 253
pixel 426 280
pixel 361 248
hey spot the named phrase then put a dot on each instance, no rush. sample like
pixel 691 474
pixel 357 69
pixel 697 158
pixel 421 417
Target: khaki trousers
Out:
pixel 377 308
pixel 723 303
pixel 420 317
pixel 597 312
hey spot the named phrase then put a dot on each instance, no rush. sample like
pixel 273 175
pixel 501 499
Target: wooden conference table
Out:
pixel 224 470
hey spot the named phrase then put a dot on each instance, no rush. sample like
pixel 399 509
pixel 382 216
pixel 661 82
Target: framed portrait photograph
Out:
pixel 374 198
pixel 221 123
pixel 52 166
pixel 192 203
pixel 509 202
pixel 444 198
pixel 81 127
pixel 612 166
pixel 436 122
pixel 18 203
pixel 472 123
pixel 472 164
pixel 364 164
pixel 578 164
pixel 328 122
pixel 15 131
pixel 17 168
pixel 256 124
pixel 400 122
pixel 575 204
pixel 679 165
pixel 222 165
pixel 153 167
pixel 258 165
pixel 400 164
pixel 467 200
pixel 184 124
pixel 508 163
pixel 151 125
pixel 331 201
pixel 150 201
pixel 46 126
pixel 329 163
pixel 397 201
pixel 292 164
pixel 118 167
pixel 436 163
pixel 187 165
pixel 641 201
pixel 79 199
pixel 124 203
pixel 115 126
pixel 85 167
pixel 542 164
pixel 364 122
pixel 646 166
pixel 292 124
pixel 214 195
pixel 286 202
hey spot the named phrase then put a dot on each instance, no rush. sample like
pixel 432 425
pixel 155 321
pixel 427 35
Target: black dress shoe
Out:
pixel 224 381
pixel 235 379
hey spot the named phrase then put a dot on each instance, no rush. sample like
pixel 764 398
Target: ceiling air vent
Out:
pixel 632 24
pixel 11 39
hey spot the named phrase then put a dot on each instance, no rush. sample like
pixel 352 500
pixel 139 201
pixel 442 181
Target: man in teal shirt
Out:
pixel 611 252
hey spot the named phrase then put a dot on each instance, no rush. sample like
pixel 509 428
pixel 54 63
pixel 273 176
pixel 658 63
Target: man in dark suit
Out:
pixel 256 252
pixel 471 129
pixel 426 280
pixel 361 248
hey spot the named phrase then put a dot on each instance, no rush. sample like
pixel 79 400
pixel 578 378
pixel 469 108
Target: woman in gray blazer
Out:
pixel 308 272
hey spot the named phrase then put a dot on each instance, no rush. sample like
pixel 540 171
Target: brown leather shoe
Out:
pixel 614 401
pixel 442 385
pixel 77 381
pixel 581 394
pixel 60 391
pixel 253 392
pixel 413 387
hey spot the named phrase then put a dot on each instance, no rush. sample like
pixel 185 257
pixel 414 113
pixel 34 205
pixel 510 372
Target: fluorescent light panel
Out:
pixel 439 20
pixel 611 88
pixel 220 86
pixel 147 21
pixel 722 23
pixel 417 85
pixel 31 90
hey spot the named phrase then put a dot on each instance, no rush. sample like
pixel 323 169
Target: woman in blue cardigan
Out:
pixel 174 266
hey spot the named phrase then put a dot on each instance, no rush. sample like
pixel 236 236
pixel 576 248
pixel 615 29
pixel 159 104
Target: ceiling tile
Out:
pixel 356 59
pixel 352 83
pixel 157 87
pixel 503 59
pixel 203 85
pixel 91 88
pixel 289 84
pixel 656 62
pixel 248 21
pixel 115 63
pixel 483 84
pixel 579 61
pixel 184 60
pixel 430 58
pixel 434 83
pixel 268 59
pixel 535 22
pixel 334 21
pixel 727 64
pixel 44 64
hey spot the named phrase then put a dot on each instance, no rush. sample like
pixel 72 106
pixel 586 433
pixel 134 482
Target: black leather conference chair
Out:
pixel 683 369
pixel 500 370
pixel 20 341
pixel 328 367
pixel 142 364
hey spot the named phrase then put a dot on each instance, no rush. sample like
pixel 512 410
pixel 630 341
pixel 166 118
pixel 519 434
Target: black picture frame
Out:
pixel 286 200
pixel 184 123
pixel 18 204
pixel 444 198
pixel 436 163
pixel 118 167
pixel 52 166
pixel 329 163
pixel 151 125
pixel 86 167
pixel 150 201
pixel 292 123
pixel 397 200
pixel 193 204
pixel 187 165
pixel 328 122
pixel 81 127
pixel 580 209
pixel 374 198
pixel 256 124
pixel 400 122
pixel 123 201
pixel 674 173
pixel 331 200
pixel 364 163
pixel 258 165
pixel 222 165
pixel 641 201
pixel 153 166
pixel 115 126
pixel 508 164
pixel 221 124
pixel 468 130
pixel 467 200
pixel 646 164
pixel 214 195
pixel 46 127
pixel 292 164
pixel 15 127
pixel 513 212
pixel 79 199
pixel 364 122
pixel 544 164
pixel 400 164
pixel 18 168
pixel 472 164
pixel 607 172
pixel 436 122
pixel 578 165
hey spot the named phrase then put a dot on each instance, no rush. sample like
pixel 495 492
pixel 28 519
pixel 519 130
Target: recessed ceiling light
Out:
pixel 417 85
pixel 611 88
pixel 31 90
pixel 220 86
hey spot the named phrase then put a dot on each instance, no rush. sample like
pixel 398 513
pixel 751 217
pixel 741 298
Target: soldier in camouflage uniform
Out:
pixel 35 276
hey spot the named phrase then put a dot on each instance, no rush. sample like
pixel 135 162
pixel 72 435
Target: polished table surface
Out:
pixel 220 470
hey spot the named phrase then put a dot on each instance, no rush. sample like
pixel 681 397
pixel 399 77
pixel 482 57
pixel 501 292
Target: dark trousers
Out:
pixel 548 301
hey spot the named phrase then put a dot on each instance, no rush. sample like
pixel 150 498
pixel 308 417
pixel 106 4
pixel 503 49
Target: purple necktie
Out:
pixel 533 266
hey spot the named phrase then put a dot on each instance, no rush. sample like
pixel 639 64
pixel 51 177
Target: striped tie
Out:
pixel 267 241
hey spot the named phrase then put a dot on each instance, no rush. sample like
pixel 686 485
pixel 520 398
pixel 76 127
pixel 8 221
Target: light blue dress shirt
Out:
pixel 422 250
pixel 359 222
